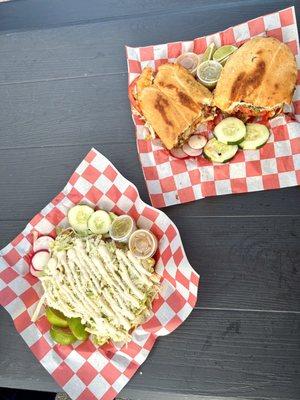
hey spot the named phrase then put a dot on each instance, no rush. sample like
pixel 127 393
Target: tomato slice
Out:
pixel 132 99
pixel 264 118
pixel 246 111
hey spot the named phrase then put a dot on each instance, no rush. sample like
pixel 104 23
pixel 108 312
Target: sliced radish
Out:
pixel 42 243
pixel 40 260
pixel 190 151
pixel 35 273
pixel 178 152
pixel 200 128
pixel 197 142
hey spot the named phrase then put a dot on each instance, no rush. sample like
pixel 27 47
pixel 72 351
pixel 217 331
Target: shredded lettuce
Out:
pixel 93 279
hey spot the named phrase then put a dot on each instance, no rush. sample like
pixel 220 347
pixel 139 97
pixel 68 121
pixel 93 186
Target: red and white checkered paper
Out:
pixel 83 370
pixel 275 165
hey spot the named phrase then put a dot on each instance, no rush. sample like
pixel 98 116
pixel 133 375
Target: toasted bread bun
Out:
pixel 163 114
pixel 172 102
pixel 262 73
pixel 177 82
pixel 145 79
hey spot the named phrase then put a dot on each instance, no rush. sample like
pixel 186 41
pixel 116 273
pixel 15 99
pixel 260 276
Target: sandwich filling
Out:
pixel 246 111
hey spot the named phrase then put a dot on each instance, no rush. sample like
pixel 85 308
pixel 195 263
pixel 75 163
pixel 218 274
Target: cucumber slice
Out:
pixel 257 135
pixel 99 222
pixel 230 130
pixel 216 151
pixel 77 329
pixel 78 217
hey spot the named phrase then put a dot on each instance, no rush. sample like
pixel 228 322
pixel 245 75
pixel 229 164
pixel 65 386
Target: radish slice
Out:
pixel 178 152
pixel 40 260
pixel 42 243
pixel 190 151
pixel 35 273
pixel 197 142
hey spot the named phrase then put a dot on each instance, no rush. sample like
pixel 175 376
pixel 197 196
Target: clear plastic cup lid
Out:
pixel 142 244
pixel 189 61
pixel 209 71
pixel 122 227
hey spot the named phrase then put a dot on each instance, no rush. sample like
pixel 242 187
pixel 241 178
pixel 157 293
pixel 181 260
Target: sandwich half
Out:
pixel 257 80
pixel 172 103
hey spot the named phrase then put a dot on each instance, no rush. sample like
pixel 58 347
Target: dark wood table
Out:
pixel 63 89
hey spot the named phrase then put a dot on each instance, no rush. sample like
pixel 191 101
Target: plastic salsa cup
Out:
pixel 189 61
pixel 209 72
pixel 121 228
pixel 143 244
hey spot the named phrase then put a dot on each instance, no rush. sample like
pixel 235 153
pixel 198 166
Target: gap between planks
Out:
pixel 252 310
pixel 63 78
pixel 149 14
pixel 49 146
pixel 194 216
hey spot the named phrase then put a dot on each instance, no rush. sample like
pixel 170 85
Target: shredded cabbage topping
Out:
pixel 100 282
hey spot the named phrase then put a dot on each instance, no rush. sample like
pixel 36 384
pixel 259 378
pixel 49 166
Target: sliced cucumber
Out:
pixel 230 130
pixel 256 136
pixel 99 222
pixel 78 217
pixel 216 151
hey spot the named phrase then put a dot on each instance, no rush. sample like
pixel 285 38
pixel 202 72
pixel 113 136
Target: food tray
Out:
pixel 276 165
pixel 83 370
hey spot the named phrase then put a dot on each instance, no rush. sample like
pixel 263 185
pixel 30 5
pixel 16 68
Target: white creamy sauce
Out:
pixel 104 286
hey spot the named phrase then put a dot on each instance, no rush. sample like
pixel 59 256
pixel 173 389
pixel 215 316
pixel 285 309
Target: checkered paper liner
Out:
pixel 83 370
pixel 276 165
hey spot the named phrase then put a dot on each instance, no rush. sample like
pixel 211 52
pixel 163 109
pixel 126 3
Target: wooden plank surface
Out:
pixel 33 14
pixel 246 355
pixel 63 90
pixel 23 194
pixel 244 263
pixel 99 48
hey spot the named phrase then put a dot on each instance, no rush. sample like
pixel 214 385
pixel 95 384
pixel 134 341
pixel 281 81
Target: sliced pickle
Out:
pixel 77 329
pixel 56 318
pixel 62 336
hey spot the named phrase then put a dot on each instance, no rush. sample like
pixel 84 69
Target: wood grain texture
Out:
pixel 226 354
pixel 59 113
pixel 248 263
pixel 32 14
pixel 244 263
pixel 34 176
pixel 63 89
pixel 99 48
